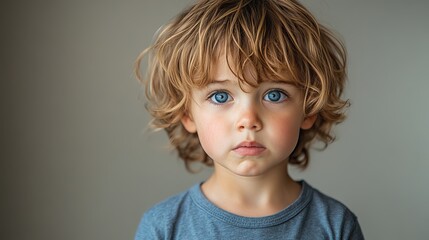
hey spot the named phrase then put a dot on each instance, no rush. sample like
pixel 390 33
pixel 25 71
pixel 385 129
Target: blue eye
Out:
pixel 275 96
pixel 220 97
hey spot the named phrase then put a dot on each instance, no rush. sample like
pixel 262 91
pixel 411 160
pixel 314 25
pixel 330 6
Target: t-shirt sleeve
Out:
pixel 356 232
pixel 159 221
pixel 147 228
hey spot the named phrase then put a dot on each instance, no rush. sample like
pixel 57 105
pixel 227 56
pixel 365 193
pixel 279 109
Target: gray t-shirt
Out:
pixel 190 215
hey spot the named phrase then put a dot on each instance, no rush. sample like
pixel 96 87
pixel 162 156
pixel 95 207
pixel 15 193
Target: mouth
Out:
pixel 249 149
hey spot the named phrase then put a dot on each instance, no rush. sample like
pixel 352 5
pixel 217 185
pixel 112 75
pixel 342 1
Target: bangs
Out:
pixel 250 35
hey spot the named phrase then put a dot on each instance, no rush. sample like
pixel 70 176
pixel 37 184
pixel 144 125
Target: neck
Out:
pixel 252 196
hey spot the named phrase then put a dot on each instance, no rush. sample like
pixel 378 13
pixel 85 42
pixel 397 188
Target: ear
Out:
pixel 308 121
pixel 188 123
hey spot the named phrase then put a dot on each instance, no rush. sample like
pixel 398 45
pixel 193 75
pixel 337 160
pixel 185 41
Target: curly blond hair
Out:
pixel 273 36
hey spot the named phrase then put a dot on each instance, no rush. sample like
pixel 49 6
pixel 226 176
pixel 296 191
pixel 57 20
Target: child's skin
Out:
pixel 249 132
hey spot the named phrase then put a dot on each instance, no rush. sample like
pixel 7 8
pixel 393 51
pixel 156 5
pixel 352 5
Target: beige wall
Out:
pixel 77 161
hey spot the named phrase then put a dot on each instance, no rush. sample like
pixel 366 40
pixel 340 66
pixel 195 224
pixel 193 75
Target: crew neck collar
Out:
pixel 252 222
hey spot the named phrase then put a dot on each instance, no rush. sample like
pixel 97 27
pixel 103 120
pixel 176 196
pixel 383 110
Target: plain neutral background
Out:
pixel 78 162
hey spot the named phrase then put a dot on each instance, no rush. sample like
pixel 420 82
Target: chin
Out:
pixel 249 168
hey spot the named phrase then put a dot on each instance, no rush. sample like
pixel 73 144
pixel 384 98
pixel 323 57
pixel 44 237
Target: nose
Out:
pixel 249 119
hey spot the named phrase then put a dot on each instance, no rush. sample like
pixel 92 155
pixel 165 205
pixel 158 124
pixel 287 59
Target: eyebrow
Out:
pixel 280 82
pixel 227 82
pixel 220 82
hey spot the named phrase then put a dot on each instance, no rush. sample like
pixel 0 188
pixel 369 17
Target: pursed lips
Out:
pixel 249 148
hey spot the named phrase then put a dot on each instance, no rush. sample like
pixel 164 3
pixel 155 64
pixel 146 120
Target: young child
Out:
pixel 246 86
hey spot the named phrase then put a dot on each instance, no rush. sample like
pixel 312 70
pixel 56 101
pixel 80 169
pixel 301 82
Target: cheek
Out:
pixel 284 131
pixel 212 134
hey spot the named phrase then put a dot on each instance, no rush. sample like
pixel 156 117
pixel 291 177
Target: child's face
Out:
pixel 246 132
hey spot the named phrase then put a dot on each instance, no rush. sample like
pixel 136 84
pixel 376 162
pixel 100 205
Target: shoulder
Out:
pixel 327 204
pixel 167 208
pixel 334 215
pixel 160 219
